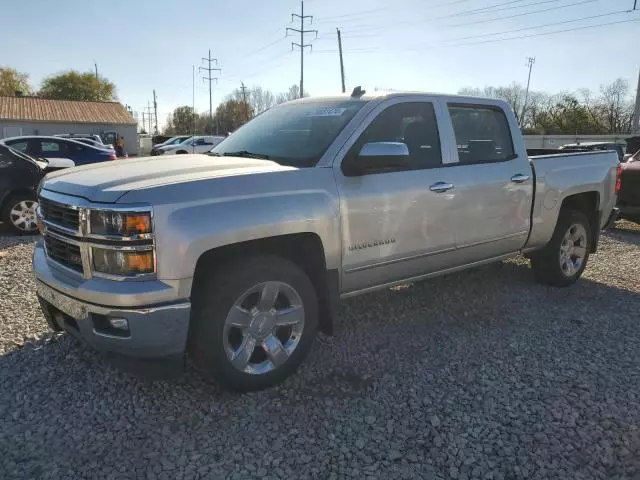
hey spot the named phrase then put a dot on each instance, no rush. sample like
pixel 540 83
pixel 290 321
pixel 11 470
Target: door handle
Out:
pixel 519 178
pixel 440 187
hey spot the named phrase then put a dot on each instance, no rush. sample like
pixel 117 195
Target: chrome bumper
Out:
pixel 157 331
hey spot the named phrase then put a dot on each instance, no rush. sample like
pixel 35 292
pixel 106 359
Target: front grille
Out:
pixel 64 253
pixel 60 214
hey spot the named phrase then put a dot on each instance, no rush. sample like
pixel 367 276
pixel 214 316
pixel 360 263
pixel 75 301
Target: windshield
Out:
pixel 297 134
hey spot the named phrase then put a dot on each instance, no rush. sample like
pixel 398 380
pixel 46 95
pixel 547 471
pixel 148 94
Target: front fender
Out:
pixel 191 221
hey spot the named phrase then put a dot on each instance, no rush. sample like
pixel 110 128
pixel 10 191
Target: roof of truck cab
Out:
pixel 384 95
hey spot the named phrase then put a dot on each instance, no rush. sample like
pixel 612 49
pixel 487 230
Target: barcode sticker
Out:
pixel 327 112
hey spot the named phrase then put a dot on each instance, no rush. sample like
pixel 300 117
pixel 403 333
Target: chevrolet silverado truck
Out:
pixel 236 258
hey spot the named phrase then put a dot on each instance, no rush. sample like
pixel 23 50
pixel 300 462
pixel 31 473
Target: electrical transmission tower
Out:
pixel 301 45
pixel 155 112
pixel 208 77
pixel 530 62
pixel 149 116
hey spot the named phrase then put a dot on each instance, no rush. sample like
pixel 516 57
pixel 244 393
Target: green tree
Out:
pixel 72 85
pixel 12 81
pixel 232 114
pixel 182 121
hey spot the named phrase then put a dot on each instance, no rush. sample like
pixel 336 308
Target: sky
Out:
pixel 424 45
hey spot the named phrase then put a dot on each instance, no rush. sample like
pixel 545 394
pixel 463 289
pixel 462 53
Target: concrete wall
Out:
pixel 11 128
pixel 555 141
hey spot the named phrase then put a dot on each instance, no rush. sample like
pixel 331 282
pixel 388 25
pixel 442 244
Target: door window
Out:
pixel 21 146
pixel 413 124
pixel 482 134
pixel 52 147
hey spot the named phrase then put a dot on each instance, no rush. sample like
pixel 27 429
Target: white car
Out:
pixel 192 145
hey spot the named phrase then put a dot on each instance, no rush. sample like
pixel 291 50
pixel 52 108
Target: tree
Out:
pixel 616 106
pixel 291 94
pixel 72 85
pixel 232 114
pixel 181 121
pixel 12 81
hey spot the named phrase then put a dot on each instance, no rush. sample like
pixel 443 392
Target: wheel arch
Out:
pixel 303 249
pixel 589 204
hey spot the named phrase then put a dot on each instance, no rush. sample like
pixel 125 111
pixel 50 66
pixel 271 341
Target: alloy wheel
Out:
pixel 23 215
pixel 263 327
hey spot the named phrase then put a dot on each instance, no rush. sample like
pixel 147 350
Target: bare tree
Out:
pixel 616 105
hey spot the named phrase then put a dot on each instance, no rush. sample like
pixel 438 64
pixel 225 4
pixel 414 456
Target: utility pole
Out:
pixel 301 45
pixel 208 69
pixel 635 128
pixel 155 112
pixel 341 63
pixel 96 65
pixel 244 99
pixel 530 62
pixel 143 120
pixel 149 116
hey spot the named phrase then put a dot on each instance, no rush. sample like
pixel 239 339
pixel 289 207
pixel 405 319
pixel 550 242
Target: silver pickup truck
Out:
pixel 236 258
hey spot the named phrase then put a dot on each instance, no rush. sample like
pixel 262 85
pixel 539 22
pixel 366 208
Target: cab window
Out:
pixel 482 134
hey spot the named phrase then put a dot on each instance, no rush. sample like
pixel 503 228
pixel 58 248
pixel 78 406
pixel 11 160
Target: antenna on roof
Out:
pixel 358 92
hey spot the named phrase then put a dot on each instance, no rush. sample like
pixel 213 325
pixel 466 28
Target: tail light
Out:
pixel 618 178
pixel 112 156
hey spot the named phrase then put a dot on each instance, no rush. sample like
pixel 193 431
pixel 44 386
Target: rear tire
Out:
pixel 561 262
pixel 253 322
pixel 19 213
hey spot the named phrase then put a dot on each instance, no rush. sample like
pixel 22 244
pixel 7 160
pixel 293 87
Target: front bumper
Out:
pixel 157 331
pixel 158 321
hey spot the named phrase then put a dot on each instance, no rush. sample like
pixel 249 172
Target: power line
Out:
pixel 301 45
pixel 497 40
pixel 488 9
pixel 523 14
pixel 564 22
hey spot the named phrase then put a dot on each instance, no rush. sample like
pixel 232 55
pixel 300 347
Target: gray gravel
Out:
pixel 483 374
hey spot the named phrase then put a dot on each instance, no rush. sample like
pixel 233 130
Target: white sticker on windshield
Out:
pixel 327 112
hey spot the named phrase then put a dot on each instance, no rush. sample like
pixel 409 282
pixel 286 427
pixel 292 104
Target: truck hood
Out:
pixel 108 181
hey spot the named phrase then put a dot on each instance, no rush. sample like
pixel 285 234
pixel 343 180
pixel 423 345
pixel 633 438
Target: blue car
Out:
pixel 56 147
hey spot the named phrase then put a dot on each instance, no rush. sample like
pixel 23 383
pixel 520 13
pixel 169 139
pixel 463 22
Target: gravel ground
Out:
pixel 483 374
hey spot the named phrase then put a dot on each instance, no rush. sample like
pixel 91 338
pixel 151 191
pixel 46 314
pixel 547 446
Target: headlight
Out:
pixel 122 262
pixel 105 222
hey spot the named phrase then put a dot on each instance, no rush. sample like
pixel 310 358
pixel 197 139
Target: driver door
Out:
pixel 395 225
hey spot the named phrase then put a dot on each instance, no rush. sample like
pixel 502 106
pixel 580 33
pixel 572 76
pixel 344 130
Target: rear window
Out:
pixel 482 134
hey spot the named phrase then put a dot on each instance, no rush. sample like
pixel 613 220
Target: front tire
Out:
pixel 19 213
pixel 253 322
pixel 561 262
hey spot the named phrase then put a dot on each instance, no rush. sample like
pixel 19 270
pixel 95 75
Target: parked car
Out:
pixel 19 177
pixel 93 143
pixel 595 146
pixel 81 137
pixel 629 196
pixel 239 257
pixel 169 142
pixel 40 146
pixel 198 144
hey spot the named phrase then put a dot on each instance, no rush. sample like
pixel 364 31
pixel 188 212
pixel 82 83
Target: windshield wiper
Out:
pixel 246 154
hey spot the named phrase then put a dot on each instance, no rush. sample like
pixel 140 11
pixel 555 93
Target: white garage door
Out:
pixel 12 132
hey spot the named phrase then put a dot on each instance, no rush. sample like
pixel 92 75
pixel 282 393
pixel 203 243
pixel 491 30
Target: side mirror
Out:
pixel 376 157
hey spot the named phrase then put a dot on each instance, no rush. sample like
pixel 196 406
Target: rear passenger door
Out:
pixel 492 182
